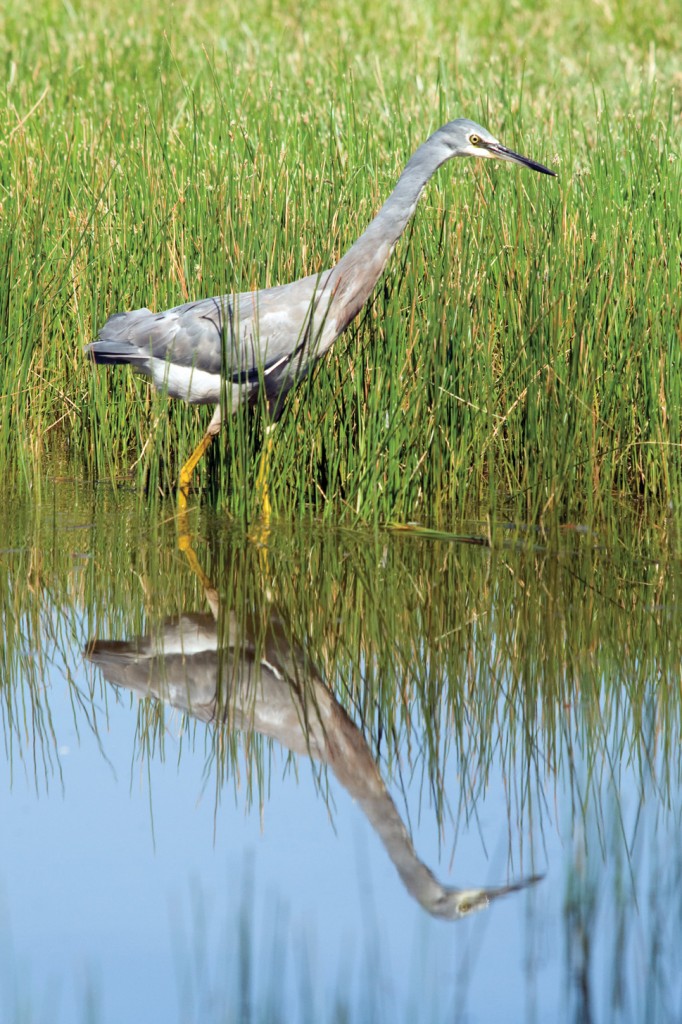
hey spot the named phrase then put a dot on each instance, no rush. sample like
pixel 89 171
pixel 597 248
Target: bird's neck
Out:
pixel 355 275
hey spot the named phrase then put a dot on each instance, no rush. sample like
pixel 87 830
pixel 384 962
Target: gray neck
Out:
pixel 356 274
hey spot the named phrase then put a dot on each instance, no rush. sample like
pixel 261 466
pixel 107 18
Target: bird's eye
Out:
pixel 474 140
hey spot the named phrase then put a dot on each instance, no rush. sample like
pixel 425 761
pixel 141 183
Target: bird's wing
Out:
pixel 241 335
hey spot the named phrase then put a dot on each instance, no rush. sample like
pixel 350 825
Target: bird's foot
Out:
pixel 185 477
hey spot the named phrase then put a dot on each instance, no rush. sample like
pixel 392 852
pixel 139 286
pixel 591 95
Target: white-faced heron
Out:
pixel 270 339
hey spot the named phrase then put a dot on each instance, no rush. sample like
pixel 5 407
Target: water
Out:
pixel 343 727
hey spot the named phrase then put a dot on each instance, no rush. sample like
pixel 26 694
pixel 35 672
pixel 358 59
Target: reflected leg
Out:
pixel 185 546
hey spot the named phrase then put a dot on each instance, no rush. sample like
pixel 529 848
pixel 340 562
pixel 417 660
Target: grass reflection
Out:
pixel 425 670
pixel 240 668
pixel 444 655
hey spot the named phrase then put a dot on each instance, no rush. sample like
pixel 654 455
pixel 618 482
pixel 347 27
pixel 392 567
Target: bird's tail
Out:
pixel 114 342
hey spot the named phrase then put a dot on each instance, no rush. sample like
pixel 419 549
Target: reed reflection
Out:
pixel 240 667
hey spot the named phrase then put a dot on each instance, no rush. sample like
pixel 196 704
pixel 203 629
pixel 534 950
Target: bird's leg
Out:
pixel 260 532
pixel 262 495
pixel 187 470
pixel 185 478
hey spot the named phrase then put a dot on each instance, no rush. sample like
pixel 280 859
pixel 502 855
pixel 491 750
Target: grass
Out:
pixel 522 353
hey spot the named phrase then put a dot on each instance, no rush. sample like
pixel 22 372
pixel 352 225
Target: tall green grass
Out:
pixel 522 352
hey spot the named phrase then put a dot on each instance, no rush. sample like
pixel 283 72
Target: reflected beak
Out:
pixel 497 149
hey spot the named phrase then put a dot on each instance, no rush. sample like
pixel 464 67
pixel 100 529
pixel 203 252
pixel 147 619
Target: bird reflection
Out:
pixel 240 670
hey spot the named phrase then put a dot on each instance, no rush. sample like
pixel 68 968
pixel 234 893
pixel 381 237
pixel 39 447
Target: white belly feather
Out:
pixel 186 382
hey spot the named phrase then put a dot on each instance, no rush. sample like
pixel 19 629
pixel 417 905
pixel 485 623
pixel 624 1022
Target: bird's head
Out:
pixel 466 138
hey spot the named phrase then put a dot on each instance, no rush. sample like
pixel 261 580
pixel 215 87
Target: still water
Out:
pixel 340 776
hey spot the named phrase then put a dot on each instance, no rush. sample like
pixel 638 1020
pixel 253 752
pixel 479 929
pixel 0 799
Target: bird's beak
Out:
pixel 497 149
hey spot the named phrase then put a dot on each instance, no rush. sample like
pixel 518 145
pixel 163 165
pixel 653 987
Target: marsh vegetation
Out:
pixel 522 352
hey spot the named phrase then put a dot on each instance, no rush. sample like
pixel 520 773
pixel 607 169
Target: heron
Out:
pixel 227 350
pixel 240 668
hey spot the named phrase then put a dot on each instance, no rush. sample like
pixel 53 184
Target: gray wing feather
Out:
pixel 240 335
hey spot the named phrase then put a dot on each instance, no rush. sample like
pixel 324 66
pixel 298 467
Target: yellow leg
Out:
pixel 260 532
pixel 262 493
pixel 185 478
pixel 185 545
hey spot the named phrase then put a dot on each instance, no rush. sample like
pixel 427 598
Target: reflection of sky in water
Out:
pixel 149 924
